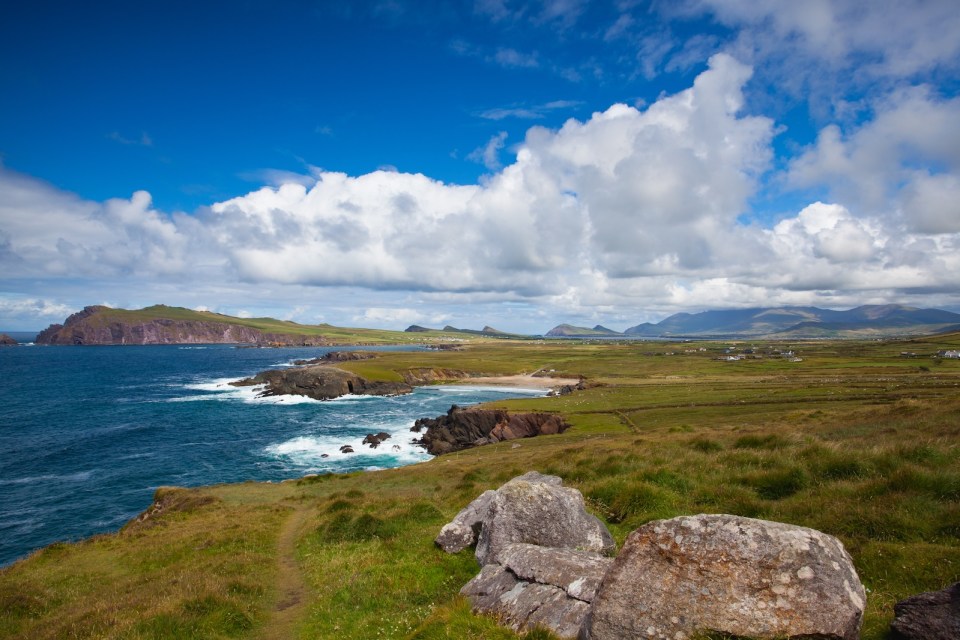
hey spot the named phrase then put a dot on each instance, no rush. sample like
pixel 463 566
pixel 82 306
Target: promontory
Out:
pixel 160 324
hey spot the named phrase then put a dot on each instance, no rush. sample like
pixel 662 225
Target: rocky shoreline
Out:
pixel 458 429
pixel 465 428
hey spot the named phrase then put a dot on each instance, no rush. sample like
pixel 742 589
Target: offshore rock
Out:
pixel 339 356
pixel 7 341
pixel 679 578
pixel 934 615
pixel 375 439
pixel 537 509
pixel 464 428
pixel 320 383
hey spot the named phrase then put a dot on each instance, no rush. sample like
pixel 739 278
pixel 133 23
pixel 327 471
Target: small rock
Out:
pixel 934 615
pixel 374 439
pixel 463 530
pixel 346 449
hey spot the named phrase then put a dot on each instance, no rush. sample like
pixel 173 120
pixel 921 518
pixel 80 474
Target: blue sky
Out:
pixel 484 162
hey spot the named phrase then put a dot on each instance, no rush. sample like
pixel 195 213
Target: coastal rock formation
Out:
pixel 464 428
pixel 338 356
pixel 539 550
pixel 320 383
pixel 103 325
pixel 728 575
pixel 7 341
pixel 934 615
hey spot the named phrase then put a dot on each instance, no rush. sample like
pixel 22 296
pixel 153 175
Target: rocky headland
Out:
pixel 7 341
pixel 320 382
pixel 463 428
pixel 99 325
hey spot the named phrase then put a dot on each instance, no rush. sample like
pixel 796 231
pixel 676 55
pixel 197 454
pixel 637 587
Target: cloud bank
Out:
pixel 631 212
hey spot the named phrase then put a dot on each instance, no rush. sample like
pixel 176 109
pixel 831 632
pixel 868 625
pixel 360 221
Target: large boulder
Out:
pixel 538 586
pixel 540 553
pixel 934 615
pixel 537 509
pixel 675 579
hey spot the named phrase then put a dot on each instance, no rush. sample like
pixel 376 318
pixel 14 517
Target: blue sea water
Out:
pixel 88 433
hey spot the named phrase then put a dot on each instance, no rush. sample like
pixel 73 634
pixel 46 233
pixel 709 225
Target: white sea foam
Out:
pixel 323 451
pixel 80 476
pixel 217 384
pixel 221 389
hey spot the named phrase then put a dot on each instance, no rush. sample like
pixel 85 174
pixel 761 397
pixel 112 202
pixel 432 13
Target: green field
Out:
pixel 855 440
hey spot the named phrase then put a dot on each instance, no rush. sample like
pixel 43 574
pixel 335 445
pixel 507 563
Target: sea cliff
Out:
pixel 100 325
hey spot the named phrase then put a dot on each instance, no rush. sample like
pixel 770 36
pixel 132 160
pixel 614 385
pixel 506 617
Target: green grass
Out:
pixel 854 441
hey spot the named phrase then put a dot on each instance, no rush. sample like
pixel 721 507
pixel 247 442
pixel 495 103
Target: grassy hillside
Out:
pixel 340 335
pixel 856 440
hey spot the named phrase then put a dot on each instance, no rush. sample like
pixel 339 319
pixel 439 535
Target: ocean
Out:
pixel 87 434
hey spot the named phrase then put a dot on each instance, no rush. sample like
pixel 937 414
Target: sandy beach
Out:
pixel 528 381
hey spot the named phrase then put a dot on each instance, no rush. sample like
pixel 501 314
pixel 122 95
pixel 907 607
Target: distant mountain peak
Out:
pixel 569 330
pixel 415 328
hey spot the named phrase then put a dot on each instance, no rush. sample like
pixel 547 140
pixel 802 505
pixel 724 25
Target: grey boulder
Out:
pixel 538 586
pixel 934 615
pixel 679 578
pixel 537 509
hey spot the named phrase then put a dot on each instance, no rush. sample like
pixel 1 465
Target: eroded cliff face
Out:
pixel 93 327
pixel 464 428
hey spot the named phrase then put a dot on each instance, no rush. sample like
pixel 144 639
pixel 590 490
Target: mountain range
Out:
pixel 785 322
pixel 161 324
